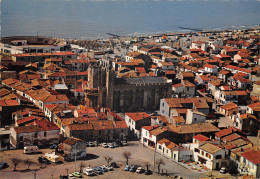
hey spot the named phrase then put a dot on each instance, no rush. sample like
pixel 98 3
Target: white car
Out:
pixel 109 168
pixel 223 170
pixel 88 171
pixel 104 145
pixel 71 176
pixel 139 170
pixel 124 143
pixel 110 145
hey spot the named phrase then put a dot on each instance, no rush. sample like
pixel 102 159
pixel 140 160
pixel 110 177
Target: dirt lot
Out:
pixel 140 155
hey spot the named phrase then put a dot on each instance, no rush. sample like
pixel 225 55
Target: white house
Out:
pixel 250 162
pixel 194 116
pixel 164 147
pixel 135 121
pixel 211 156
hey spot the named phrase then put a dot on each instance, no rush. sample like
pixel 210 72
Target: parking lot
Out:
pixel 95 157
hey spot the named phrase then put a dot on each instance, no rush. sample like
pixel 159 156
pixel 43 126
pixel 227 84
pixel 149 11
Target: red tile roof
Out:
pixel 231 137
pixel 140 69
pixel 42 125
pixel 149 128
pixel 204 77
pixel 120 124
pixel 71 141
pixel 201 138
pixel 238 68
pixel 227 131
pixel 136 116
pixel 27 119
pixel 44 54
pixel 229 106
pixel 9 103
pixel 253 156
pixel 209 66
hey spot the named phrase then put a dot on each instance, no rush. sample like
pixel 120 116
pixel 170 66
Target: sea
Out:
pixel 92 19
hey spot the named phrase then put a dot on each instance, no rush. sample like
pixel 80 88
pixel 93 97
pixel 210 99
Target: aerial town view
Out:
pixel 179 103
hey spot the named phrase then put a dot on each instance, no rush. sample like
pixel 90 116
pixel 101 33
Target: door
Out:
pixel 217 165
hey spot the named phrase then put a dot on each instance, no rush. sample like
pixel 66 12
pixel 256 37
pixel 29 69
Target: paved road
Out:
pixel 140 155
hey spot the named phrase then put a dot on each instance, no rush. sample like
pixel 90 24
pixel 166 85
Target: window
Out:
pixel 244 160
pixel 202 152
pixel 21 138
pixel 163 111
pixel 218 157
pixel 45 134
pixel 207 155
pixel 129 120
pixel 35 135
pixel 195 119
pixel 162 104
pixel 160 147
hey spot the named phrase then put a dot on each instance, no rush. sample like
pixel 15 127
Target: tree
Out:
pixel 16 162
pixel 67 170
pixel 108 159
pixel 28 162
pixel 126 154
pixel 82 165
pixel 147 164
pixel 233 167
pixel 159 162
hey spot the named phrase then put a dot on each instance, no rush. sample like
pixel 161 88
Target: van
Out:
pixel 53 157
pixel 31 149
pixel 88 171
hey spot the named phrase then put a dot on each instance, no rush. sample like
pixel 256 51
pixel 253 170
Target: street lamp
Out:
pixel 75 157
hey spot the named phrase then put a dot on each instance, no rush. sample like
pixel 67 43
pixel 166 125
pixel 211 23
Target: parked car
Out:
pixel 104 145
pixel 114 165
pixel 127 168
pixel 109 168
pixel 124 143
pixel 110 145
pixel 64 177
pixel 53 146
pixel 88 171
pixel 45 160
pixel 103 169
pixel 133 168
pixel 115 144
pixel 91 144
pixel 139 170
pixel 97 171
pixel 148 172
pixel 41 160
pixel 3 165
pixel 119 143
pixel 77 174
pixel 223 170
pixel 71 176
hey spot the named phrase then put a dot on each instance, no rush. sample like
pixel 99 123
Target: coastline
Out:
pixel 147 34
